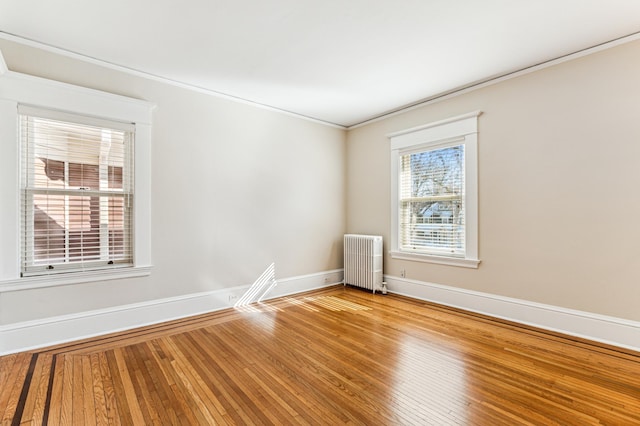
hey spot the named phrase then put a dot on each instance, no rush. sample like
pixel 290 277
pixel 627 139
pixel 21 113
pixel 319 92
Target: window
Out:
pixel 72 209
pixel 77 192
pixel 434 192
pixel 431 202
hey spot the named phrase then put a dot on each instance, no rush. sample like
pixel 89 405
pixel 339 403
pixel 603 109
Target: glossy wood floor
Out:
pixel 329 357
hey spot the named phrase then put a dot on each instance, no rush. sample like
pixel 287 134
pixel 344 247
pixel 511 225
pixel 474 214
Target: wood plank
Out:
pixel 110 407
pixel 208 406
pixel 8 366
pixel 162 387
pixel 53 411
pixel 181 403
pixel 121 399
pixel 145 371
pixel 16 374
pixel 66 398
pixel 128 389
pixel 34 404
pixel 88 392
pixel 100 402
pixel 78 389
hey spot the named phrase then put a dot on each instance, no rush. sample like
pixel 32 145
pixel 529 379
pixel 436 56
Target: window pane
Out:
pixel 84 228
pixel 118 222
pixel 437 225
pixel 84 176
pixel 435 172
pixel 79 239
pixel 49 231
pixel 431 208
pixel 48 173
pixel 115 177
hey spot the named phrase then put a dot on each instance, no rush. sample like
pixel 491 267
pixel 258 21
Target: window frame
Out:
pixel 22 89
pixel 30 189
pixel 459 130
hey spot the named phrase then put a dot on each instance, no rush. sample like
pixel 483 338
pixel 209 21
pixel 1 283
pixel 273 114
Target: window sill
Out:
pixel 42 281
pixel 440 260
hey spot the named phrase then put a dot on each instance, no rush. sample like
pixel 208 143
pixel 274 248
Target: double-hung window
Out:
pixel 75 184
pixel 431 201
pixel 434 192
pixel 76 192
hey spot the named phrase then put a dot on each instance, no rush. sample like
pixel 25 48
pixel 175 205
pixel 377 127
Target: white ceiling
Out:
pixel 338 61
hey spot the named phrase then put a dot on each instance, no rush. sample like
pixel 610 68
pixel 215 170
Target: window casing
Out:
pixel 434 192
pixel 77 192
pixel 97 107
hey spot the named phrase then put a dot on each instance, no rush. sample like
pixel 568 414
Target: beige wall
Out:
pixel 559 162
pixel 234 188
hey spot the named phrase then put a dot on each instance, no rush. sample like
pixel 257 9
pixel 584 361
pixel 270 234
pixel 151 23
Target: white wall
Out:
pixel 559 154
pixel 234 188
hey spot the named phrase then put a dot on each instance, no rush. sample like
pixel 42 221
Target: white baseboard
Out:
pixel 45 332
pixel 600 328
pixel 35 334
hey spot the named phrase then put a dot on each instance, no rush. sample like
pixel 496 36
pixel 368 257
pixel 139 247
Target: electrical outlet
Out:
pixel 402 273
pixel 233 298
pixel 326 280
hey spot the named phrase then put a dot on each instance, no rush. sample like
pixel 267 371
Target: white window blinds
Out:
pixel 432 218
pixel 77 192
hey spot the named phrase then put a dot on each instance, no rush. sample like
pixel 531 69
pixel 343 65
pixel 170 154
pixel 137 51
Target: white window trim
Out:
pixel 17 88
pixel 464 129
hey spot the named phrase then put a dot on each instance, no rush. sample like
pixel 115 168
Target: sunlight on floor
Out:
pixel 260 288
pixel 425 369
pixel 335 303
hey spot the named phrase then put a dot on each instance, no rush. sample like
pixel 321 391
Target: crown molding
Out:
pixel 131 71
pixel 500 78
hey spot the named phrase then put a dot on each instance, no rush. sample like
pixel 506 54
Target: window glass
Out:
pixel 77 195
pixel 431 201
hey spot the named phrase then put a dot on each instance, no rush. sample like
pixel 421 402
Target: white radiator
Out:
pixel 363 261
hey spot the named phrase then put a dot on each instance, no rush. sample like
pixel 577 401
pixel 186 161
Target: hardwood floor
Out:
pixel 334 356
